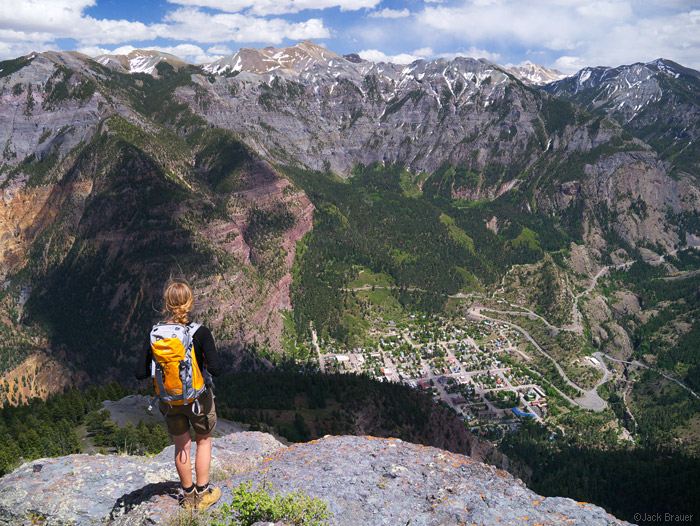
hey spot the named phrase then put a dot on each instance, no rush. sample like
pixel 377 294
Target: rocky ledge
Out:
pixel 364 480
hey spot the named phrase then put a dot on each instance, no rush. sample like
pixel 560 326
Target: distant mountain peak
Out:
pixel 293 59
pixel 140 61
pixel 623 80
pixel 674 68
pixel 535 74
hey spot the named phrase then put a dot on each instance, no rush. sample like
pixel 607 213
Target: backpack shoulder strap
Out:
pixel 193 328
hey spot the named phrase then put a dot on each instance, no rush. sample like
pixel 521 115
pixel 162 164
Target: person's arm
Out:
pixel 204 340
pixel 143 366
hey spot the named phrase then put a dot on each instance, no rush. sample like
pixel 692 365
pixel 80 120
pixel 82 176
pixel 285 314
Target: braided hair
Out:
pixel 179 301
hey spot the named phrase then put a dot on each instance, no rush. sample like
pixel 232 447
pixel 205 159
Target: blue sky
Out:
pixel 564 34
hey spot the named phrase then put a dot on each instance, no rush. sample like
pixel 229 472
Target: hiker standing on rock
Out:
pixel 181 357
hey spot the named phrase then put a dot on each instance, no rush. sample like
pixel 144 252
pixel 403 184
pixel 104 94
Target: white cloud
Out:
pixel 344 5
pixel 123 50
pixel 676 37
pixel 64 19
pixel 612 9
pixel 424 52
pixel 374 55
pixel 89 31
pixel 42 15
pixel 220 50
pixel 188 52
pixel 229 6
pixel 579 32
pixel 390 13
pixel 277 7
pixel 10 36
pixel 567 34
pixel 94 51
pixel 568 64
pixel 203 27
pixel 19 49
pixel 36 24
pixel 507 19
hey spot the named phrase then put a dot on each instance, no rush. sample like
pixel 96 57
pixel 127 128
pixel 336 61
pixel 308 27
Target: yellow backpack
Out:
pixel 177 377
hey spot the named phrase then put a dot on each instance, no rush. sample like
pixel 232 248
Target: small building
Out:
pixel 538 391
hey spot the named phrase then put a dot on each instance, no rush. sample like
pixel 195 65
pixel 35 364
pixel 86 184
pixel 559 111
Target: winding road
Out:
pixel 590 399
pixel 640 364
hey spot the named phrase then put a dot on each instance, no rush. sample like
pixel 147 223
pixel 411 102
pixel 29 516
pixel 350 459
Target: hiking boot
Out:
pixel 208 497
pixel 189 499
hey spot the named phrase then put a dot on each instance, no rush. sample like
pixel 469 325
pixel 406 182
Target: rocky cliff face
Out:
pixel 47 105
pixel 344 112
pixel 330 112
pixel 628 194
pixel 364 480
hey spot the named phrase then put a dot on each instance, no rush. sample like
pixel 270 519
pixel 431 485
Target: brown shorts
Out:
pixel 178 418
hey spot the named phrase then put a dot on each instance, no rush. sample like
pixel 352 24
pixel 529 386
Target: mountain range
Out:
pixel 102 162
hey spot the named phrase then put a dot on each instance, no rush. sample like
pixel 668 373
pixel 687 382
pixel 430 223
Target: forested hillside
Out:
pixel 382 222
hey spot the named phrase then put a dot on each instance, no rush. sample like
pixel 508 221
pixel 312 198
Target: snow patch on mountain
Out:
pixel 536 75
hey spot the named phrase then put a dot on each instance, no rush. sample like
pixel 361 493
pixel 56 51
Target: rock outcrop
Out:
pixel 364 480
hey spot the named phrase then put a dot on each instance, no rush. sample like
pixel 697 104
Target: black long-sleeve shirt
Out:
pixel 204 351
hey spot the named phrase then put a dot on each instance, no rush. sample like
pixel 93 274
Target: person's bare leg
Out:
pixel 182 458
pixel 202 461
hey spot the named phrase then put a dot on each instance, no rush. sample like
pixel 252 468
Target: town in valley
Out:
pixel 477 367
